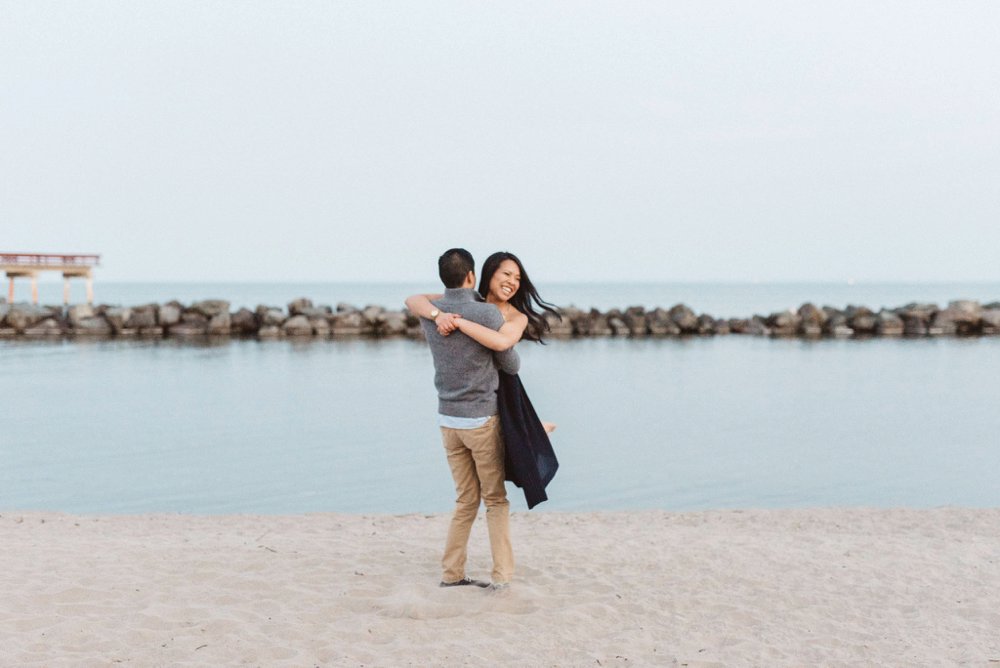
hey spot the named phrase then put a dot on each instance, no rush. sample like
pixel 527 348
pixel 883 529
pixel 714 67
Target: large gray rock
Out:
pixel 635 320
pixel 967 316
pixel 830 312
pixel 47 327
pixel 810 331
pixel 916 318
pixel 4 310
pixel 393 323
pixel 220 324
pixel 23 316
pixel 812 314
pixel 962 317
pixel 835 319
pixel 861 319
pixel 579 319
pixel 991 321
pixel 315 312
pixel 117 317
pixel 194 317
pixel 300 306
pixel 269 316
pixel 372 316
pixel 812 320
pixel 969 306
pixel 320 326
pixel 269 332
pixel 739 325
pixel 143 317
pixel 684 318
pixel 170 314
pixel 839 331
pixel 297 325
pixel 616 324
pixel 784 323
pixel 597 324
pixel 706 324
pixel 413 328
pixel 757 327
pixel 836 323
pixel 559 327
pixel 78 312
pixel 93 326
pixel 190 327
pixel 244 321
pixel 659 323
pixel 210 307
pixel 347 323
pixel 888 324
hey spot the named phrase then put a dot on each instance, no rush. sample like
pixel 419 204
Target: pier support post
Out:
pixel 65 290
pixel 90 289
pixel 10 290
pixel 34 289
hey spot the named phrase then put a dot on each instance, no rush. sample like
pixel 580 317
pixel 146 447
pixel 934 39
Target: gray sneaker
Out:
pixel 498 587
pixel 464 582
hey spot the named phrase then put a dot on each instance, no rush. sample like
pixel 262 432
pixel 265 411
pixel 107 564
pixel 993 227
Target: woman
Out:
pixel 529 459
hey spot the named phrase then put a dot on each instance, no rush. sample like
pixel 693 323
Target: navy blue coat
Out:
pixel 529 460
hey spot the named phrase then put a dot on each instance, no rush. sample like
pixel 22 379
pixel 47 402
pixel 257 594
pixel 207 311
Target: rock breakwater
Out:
pixel 302 319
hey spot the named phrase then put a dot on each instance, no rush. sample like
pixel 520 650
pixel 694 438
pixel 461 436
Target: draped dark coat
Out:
pixel 529 460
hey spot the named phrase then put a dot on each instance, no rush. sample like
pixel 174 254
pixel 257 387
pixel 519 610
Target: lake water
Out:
pixel 349 426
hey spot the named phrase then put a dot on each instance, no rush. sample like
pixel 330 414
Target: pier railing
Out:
pixel 28 260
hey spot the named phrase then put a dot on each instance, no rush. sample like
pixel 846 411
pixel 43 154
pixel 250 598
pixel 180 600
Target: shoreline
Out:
pixel 837 586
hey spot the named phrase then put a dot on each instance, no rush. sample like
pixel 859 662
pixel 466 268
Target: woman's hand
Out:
pixel 447 323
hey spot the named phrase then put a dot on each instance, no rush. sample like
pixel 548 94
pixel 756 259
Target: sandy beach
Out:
pixel 723 588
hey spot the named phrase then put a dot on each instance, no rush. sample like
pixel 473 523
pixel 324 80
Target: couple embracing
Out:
pixel 489 428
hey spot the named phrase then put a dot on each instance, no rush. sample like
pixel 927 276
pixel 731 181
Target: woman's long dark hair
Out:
pixel 524 300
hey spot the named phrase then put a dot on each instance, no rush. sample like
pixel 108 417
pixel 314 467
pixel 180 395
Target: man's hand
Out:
pixel 447 323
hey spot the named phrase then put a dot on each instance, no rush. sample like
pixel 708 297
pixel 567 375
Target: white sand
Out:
pixel 768 588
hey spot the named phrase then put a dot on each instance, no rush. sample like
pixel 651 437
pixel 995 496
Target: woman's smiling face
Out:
pixel 506 281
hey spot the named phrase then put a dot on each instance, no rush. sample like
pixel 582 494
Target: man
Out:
pixel 465 375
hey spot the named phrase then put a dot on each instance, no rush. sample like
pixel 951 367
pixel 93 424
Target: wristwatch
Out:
pixel 434 314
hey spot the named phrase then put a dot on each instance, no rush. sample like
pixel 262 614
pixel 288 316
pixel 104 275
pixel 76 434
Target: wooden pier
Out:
pixel 20 265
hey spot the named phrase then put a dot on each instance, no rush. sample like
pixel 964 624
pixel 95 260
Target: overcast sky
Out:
pixel 692 141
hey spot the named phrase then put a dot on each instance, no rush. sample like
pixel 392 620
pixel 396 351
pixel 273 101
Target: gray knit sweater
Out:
pixel 465 372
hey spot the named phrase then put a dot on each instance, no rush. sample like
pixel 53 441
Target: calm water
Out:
pixel 281 427
pixel 718 299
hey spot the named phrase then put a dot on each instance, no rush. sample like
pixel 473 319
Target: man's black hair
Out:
pixel 454 265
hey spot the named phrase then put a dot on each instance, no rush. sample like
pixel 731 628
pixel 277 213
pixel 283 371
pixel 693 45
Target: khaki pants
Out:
pixel 476 460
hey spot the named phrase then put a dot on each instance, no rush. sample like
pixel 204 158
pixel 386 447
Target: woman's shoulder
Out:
pixel 517 317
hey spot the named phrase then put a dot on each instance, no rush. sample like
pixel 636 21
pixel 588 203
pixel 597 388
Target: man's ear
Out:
pixel 470 280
